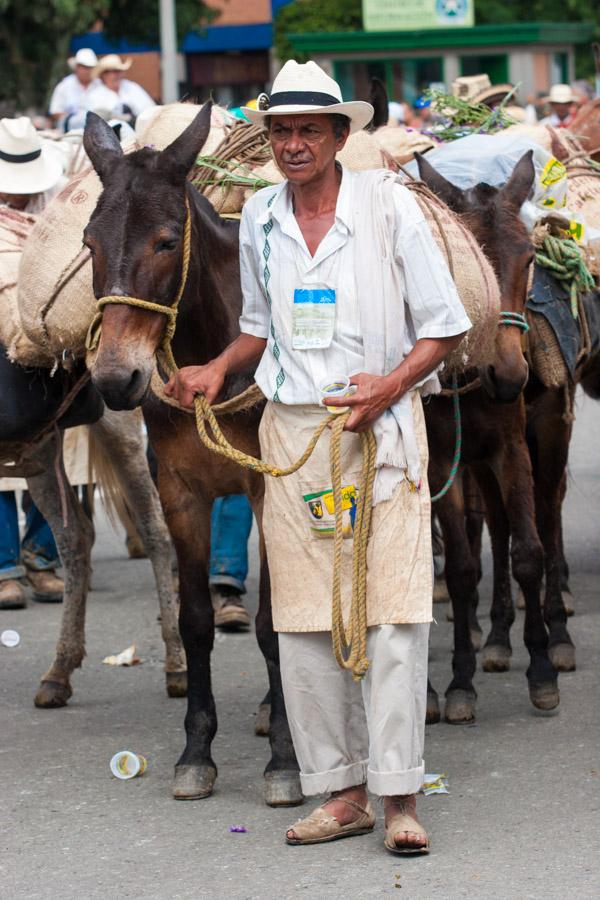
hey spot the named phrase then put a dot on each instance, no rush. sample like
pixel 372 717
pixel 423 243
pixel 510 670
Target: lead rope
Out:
pixel 349 644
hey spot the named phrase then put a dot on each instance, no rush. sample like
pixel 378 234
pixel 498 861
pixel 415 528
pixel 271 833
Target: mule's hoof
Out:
pixel 52 695
pixel 262 726
pixel 544 696
pixel 432 714
pixel 193 782
pixel 562 657
pixel 496 658
pixel 568 602
pixel 476 639
pixel 282 788
pixel 177 684
pixel 460 707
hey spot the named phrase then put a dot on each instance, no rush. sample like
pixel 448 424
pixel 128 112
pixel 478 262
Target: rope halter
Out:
pixel 95 329
pixel 515 319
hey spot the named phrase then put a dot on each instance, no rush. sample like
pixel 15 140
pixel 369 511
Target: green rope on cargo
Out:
pixel 566 262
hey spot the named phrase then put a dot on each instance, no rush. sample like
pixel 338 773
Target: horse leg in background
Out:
pixel 461 577
pixel 263 718
pixel 74 537
pixel 497 649
pixel 120 437
pixel 549 433
pixel 282 779
pixel 432 711
pixel 565 590
pixel 474 519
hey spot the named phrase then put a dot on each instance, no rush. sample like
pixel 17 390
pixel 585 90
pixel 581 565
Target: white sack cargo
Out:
pixel 15 228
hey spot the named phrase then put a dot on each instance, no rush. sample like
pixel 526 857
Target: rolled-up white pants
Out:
pixel 370 732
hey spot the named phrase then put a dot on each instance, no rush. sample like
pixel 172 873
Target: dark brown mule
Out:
pixel 135 235
pixel 586 128
pixel 495 453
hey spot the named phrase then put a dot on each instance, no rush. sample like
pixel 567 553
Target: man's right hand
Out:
pixel 192 380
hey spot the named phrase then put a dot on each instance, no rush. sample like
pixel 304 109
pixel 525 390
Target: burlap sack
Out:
pixel 362 151
pixel 474 277
pixel 538 133
pixel 15 228
pixel 402 143
pixel 545 356
pixel 169 121
pixel 56 300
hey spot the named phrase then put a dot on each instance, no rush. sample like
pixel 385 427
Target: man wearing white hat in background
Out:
pixel 113 94
pixel 69 97
pixel 31 173
pixel 562 103
pixel 341 277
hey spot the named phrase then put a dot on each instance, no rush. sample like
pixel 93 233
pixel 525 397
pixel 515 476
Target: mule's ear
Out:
pixel 379 101
pixel 445 190
pixel 517 188
pixel 101 144
pixel 179 157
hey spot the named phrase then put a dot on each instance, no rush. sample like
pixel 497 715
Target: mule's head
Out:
pixel 492 214
pixel 135 236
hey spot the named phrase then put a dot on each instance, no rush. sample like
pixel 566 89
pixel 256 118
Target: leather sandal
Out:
pixel 320 826
pixel 404 823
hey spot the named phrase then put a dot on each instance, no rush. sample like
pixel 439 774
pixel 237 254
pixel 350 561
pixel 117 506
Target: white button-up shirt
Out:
pixel 70 96
pixel 275 261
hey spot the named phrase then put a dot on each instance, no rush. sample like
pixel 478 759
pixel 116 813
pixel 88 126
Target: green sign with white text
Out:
pixel 412 15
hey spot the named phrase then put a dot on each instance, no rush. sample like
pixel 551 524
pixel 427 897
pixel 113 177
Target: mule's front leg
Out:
pixel 188 519
pixel 120 435
pixel 74 536
pixel 282 779
pixel 461 577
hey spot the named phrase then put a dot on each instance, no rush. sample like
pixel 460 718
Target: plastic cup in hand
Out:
pixel 335 387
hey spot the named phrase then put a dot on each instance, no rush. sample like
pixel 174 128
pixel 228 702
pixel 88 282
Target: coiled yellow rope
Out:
pixel 349 643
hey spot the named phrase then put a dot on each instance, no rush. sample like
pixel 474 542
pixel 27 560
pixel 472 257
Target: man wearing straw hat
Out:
pixel 342 281
pixel 562 105
pixel 69 96
pixel 115 95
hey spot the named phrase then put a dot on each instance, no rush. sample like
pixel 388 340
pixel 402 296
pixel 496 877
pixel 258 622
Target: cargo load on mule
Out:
pixel 56 298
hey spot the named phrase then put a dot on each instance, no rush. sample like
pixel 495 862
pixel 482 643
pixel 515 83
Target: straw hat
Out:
pixel 493 95
pixel 561 93
pixel 112 62
pixel 84 57
pixel 27 165
pixel 306 88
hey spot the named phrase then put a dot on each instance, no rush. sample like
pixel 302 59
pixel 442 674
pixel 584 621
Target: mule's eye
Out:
pixel 165 245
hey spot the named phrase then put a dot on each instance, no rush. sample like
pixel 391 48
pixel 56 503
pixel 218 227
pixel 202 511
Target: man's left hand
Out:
pixel 374 393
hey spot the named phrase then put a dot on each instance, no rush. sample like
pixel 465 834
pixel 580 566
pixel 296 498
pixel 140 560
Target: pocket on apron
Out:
pixel 317 500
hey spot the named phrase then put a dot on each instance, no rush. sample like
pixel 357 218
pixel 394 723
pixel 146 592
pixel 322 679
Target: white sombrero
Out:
pixel 27 165
pixel 84 57
pixel 112 62
pixel 306 88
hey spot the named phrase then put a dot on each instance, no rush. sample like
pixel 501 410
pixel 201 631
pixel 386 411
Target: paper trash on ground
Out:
pixel 434 784
pixel 126 657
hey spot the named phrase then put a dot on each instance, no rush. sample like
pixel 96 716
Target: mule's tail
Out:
pixel 103 473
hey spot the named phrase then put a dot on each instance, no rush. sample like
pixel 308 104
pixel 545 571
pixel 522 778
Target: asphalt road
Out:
pixel 520 820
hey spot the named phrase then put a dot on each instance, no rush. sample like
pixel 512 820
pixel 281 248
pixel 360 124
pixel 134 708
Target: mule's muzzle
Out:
pixel 502 388
pixel 122 388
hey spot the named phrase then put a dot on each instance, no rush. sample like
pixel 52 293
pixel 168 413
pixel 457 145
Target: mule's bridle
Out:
pixel 94 331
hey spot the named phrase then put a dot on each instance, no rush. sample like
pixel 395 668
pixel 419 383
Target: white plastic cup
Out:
pixel 335 387
pixel 10 638
pixel 125 765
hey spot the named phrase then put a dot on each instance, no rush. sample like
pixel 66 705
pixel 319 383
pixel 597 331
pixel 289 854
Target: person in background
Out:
pixel 69 97
pixel 230 527
pixel 114 95
pixel 562 106
pixel 422 114
pixel 397 113
pixel 31 173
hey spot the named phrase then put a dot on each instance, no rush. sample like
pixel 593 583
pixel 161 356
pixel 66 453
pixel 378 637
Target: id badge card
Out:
pixel 313 318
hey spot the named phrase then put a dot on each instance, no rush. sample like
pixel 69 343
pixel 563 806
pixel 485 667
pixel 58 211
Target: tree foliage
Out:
pixel 35 36
pixel 305 16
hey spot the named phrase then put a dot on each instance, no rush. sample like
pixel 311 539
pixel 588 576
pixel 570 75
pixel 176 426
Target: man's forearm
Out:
pixel 423 359
pixel 242 353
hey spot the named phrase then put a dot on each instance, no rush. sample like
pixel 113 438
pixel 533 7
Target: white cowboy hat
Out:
pixel 27 165
pixel 112 62
pixel 561 93
pixel 306 88
pixel 84 57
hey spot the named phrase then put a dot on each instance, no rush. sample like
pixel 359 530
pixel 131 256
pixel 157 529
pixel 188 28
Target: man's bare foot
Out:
pixel 342 812
pixel 404 838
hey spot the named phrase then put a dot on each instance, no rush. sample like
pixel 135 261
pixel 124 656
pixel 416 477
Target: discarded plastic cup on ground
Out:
pixel 335 387
pixel 125 765
pixel 10 638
